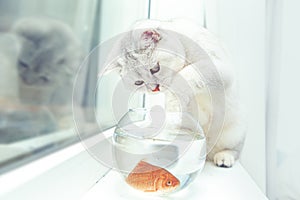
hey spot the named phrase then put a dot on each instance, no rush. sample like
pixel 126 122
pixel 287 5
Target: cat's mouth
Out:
pixel 156 89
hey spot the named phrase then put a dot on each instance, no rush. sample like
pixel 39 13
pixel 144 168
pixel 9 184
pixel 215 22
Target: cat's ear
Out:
pixel 111 59
pixel 30 28
pixel 146 38
pixel 149 38
pixel 151 35
pixel 113 67
pixel 147 30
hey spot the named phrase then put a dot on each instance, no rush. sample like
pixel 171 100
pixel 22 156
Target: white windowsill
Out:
pixel 213 183
pixel 70 172
pixel 73 174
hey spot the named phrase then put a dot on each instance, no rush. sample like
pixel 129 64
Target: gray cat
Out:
pixel 50 53
pixel 39 73
pixel 17 121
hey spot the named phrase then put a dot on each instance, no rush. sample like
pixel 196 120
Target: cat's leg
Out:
pixel 228 146
pixel 225 158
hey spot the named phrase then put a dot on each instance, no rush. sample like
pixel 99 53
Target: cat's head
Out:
pixel 149 60
pixel 49 51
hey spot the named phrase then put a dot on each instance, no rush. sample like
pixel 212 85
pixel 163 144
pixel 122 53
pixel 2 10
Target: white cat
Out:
pixel 187 63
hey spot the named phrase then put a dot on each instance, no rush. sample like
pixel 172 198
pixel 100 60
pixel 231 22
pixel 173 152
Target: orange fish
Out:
pixel 150 178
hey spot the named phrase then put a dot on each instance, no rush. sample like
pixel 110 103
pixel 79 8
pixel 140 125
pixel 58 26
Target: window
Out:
pixel 45 52
pixel 58 148
pixel 41 47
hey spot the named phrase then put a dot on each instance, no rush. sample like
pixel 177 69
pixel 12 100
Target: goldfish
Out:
pixel 151 178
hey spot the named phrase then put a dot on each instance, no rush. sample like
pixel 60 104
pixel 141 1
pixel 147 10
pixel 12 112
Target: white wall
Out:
pixel 168 9
pixel 283 104
pixel 241 27
pixel 289 96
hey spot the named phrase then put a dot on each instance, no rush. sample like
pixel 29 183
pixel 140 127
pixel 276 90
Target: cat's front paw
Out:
pixel 224 159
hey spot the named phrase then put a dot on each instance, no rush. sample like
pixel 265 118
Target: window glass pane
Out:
pixel 42 45
pixel 50 94
pixel 116 18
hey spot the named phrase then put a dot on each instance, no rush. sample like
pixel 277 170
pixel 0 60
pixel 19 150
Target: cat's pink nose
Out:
pixel 156 89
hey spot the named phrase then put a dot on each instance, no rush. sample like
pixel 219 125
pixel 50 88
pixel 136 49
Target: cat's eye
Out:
pixel 23 64
pixel 45 79
pixel 139 82
pixel 155 69
pixel 61 61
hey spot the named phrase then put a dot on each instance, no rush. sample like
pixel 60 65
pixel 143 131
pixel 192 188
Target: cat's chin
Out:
pixel 154 93
pixel 33 83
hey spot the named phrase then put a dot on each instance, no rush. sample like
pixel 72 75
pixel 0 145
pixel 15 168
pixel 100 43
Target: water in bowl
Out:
pixel 179 150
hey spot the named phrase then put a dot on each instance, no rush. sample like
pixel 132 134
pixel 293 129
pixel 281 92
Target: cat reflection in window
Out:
pixel 49 55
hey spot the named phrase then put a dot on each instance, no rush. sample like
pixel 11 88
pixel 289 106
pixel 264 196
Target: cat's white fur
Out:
pixel 224 145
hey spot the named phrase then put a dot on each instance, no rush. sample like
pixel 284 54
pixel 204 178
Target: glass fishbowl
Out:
pixel 158 152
